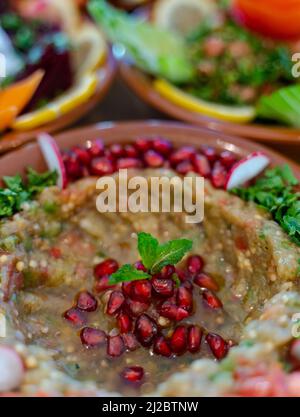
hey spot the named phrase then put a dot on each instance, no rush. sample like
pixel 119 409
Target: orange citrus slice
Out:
pixel 20 93
pixel 7 116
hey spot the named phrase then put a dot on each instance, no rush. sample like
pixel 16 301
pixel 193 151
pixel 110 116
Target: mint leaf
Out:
pixel 14 183
pixel 37 182
pixel 147 247
pixel 170 253
pixel 126 273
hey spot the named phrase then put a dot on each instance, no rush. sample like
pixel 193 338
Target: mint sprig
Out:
pixel 154 257
pixel 126 273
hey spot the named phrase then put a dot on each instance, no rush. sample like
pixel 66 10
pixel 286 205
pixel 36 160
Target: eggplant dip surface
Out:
pixel 236 293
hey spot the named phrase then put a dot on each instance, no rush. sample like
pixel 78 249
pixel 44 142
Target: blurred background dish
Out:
pixel 58 67
pixel 223 75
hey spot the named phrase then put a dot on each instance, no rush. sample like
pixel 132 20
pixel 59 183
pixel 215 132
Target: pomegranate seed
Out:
pixel 116 150
pixel 210 153
pixel 86 301
pixel 188 285
pixel 181 275
pixel 130 341
pixel 218 345
pixel 73 168
pixel 75 316
pixel 168 271
pixel 294 353
pixel 173 312
pixel 96 148
pixel 82 155
pixel 218 175
pixel 227 159
pixel 102 284
pixel 145 329
pixel 102 166
pixel 115 302
pixel 124 323
pixel 162 146
pixel 133 374
pixel 178 341
pixel 115 346
pixel 194 338
pixel 141 290
pixel 135 308
pixel 201 165
pixel 126 288
pixel 143 145
pixel 194 264
pixel 153 159
pixel 212 300
pixel 130 151
pixel 163 287
pixel 129 163
pixel 181 155
pixel 205 281
pixel 92 337
pixel 107 267
pixel 184 298
pixel 184 168
pixel 162 347
pixel 140 267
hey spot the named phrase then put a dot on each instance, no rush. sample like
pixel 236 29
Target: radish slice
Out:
pixel 11 369
pixel 53 158
pixel 246 169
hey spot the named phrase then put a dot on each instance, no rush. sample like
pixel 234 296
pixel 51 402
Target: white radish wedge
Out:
pixel 53 158
pixel 246 169
pixel 11 369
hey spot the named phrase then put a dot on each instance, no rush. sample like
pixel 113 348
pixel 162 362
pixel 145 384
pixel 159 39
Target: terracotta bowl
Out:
pixel 180 134
pixel 106 75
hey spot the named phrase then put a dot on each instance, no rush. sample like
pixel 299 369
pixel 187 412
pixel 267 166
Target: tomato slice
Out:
pixel 275 18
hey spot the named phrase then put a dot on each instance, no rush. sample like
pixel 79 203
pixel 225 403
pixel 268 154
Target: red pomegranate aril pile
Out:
pixel 185 167
pixel 173 312
pixel 164 287
pixel 227 159
pixel 218 345
pixel 212 300
pixel 140 267
pixel 102 284
pixel 178 341
pixel 126 288
pixel 162 347
pixel 201 165
pixel 130 151
pixel 182 154
pixel 134 308
pixel 162 146
pixel 205 281
pixel 294 353
pixel 194 264
pixel 194 338
pixel 91 337
pixel 168 271
pixel 130 341
pixel 128 163
pixel 218 175
pixel 115 346
pixel 75 316
pixel 116 150
pixel 141 290
pixel 124 323
pixel 133 374
pixel 153 159
pixel 107 267
pixel 143 144
pixel 210 153
pixel 86 301
pixel 83 156
pixel 185 298
pixel 96 148
pixel 102 166
pixel 73 167
pixel 145 329
pixel 115 302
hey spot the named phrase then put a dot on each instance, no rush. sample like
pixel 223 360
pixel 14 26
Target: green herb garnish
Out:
pixel 154 257
pixel 275 192
pixel 18 192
